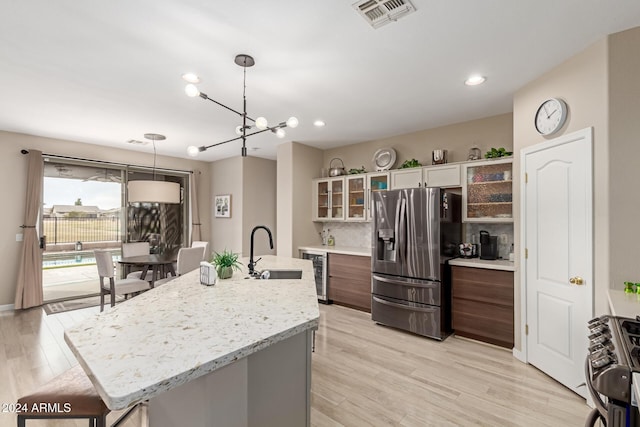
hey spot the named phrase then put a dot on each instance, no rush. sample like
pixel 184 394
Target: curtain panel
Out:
pixel 29 286
pixel 196 233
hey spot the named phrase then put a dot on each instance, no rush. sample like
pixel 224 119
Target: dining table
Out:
pixel 161 265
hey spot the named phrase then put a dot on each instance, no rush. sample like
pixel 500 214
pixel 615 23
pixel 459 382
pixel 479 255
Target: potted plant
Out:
pixel 494 154
pixel 413 163
pixel 225 263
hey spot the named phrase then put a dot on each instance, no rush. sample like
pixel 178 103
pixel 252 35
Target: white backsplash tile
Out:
pixel 472 235
pixel 357 234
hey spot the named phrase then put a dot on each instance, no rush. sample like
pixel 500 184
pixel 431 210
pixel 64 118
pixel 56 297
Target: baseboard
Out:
pixel 518 354
pixel 7 307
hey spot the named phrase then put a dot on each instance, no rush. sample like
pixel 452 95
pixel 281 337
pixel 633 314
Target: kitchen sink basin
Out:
pixel 281 274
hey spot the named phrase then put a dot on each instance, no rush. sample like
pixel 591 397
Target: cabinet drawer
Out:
pixel 349 280
pixel 486 322
pixel 350 266
pixel 352 294
pixel 483 285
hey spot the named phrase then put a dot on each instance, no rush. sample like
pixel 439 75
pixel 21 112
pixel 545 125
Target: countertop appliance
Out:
pixel 319 260
pixel 614 355
pixel 488 245
pixel 415 231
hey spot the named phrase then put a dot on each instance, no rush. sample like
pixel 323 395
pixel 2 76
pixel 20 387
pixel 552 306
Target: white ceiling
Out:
pixel 104 72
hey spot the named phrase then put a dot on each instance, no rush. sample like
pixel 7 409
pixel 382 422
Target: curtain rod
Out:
pixel 57 156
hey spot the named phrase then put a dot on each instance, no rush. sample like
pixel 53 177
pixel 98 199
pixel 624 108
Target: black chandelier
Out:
pixel 260 123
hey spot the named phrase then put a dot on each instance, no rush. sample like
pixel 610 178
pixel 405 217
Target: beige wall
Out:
pixel 298 164
pixel 582 82
pixel 13 167
pixel 284 198
pixel 226 178
pixel 259 203
pixel 624 156
pixel 457 139
pixel 251 182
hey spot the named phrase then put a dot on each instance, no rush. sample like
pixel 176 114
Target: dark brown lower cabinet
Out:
pixel 482 304
pixel 349 281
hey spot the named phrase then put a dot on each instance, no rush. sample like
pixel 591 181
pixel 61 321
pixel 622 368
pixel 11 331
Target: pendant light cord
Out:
pixel 244 82
pixel 154 159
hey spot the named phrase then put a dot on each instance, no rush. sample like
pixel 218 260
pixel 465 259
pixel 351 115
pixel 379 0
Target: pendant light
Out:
pixel 145 191
pixel 261 124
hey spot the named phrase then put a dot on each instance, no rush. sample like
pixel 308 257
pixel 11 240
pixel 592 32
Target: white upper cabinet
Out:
pixel 360 189
pixel 406 178
pixel 430 176
pixel 328 199
pixel 487 193
pixel 442 176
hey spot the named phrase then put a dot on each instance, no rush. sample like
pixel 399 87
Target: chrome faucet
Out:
pixel 253 263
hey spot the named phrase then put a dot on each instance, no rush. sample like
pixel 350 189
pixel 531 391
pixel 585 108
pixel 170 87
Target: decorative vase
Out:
pixel 225 272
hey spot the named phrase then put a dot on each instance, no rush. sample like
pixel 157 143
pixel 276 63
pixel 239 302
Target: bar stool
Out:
pixel 69 395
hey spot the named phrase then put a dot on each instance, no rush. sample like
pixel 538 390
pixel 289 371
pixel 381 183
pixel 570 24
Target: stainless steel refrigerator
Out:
pixel 415 231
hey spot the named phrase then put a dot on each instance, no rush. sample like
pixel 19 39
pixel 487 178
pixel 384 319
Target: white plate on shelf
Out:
pixel 384 159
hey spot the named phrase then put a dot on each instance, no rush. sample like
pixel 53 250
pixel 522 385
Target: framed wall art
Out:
pixel 223 206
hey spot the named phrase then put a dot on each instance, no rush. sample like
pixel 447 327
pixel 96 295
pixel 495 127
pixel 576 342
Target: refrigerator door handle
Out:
pixel 401 231
pixel 402 283
pixel 405 307
pixel 396 230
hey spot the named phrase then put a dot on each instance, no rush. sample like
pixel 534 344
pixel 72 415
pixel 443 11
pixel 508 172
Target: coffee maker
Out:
pixel 488 245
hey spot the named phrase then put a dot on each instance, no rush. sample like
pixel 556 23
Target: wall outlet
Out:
pixel 19 237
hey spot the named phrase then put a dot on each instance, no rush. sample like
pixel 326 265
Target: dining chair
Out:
pixel 124 287
pixel 204 246
pixel 188 260
pixel 135 249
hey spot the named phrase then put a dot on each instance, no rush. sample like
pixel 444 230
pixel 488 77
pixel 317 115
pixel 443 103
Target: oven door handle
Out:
pixel 597 400
pixel 429 285
pixel 404 307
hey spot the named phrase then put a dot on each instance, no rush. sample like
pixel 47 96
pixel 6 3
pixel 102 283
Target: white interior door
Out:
pixel 557 237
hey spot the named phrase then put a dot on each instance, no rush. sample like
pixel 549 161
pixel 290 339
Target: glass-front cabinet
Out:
pixel 377 181
pixel 356 197
pixel 487 191
pixel 359 194
pixel 328 199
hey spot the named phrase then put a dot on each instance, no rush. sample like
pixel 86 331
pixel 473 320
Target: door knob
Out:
pixel 576 280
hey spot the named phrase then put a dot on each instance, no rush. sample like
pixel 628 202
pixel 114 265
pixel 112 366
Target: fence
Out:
pixel 72 230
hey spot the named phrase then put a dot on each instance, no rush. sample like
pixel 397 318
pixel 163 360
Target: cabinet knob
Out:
pixel 576 280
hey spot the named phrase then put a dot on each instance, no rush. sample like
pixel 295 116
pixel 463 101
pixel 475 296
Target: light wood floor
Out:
pixel 363 375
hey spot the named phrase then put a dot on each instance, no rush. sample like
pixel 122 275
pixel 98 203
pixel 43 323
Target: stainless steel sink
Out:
pixel 281 274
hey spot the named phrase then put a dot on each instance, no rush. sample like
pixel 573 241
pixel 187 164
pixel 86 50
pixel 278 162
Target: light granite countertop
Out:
pixel 182 330
pixel 345 250
pixel 498 264
pixel 623 304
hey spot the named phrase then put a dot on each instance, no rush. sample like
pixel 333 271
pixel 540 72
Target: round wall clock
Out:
pixel 551 116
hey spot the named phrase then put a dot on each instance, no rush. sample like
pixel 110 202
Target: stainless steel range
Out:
pixel 614 355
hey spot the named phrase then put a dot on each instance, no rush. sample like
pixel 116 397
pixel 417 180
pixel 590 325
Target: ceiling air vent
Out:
pixel 381 12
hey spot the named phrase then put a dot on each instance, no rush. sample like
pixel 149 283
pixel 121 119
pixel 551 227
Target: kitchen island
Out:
pixel 237 353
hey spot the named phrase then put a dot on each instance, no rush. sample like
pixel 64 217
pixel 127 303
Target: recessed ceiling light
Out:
pixel 474 80
pixel 319 123
pixel 137 142
pixel 190 78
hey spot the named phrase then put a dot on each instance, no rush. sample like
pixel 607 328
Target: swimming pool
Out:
pixel 72 259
